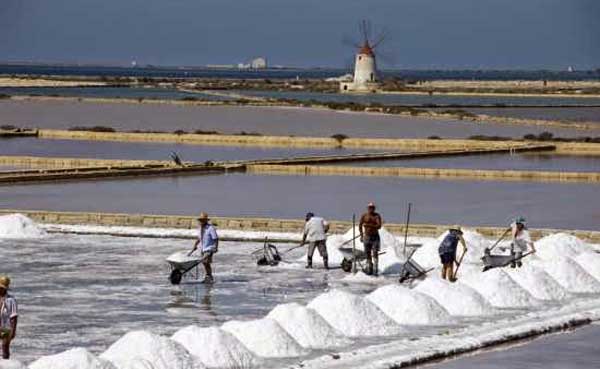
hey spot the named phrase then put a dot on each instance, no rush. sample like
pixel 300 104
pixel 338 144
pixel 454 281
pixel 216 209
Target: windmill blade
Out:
pixel 382 36
pixel 350 42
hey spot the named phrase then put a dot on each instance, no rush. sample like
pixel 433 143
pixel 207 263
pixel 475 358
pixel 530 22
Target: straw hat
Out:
pixel 203 216
pixel 4 282
pixel 456 227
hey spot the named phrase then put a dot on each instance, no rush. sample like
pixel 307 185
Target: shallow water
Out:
pixel 543 162
pixel 586 114
pixel 265 120
pixel 571 350
pixel 152 151
pixel 565 206
pixel 110 92
pixel 89 290
pixel 427 100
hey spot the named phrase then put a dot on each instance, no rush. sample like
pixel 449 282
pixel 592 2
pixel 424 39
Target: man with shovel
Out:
pixel 521 241
pixel 315 232
pixel 369 226
pixel 209 242
pixel 447 251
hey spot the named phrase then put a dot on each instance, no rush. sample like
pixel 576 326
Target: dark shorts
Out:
pixel 207 257
pixel 372 245
pixel 448 258
pixel 320 245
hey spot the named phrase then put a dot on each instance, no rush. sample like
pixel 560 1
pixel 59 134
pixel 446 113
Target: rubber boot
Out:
pixel 208 280
pixel 376 268
pixel 308 263
pixel 326 263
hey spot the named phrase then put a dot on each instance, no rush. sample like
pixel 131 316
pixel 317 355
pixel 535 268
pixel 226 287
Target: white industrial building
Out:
pixel 365 72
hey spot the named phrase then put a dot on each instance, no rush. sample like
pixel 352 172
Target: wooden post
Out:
pixel 353 243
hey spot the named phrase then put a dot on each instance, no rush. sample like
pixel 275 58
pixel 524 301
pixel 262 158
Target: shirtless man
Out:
pixel 369 226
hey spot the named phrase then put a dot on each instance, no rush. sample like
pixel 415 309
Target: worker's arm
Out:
pixel 195 245
pixel 13 327
pixel 361 223
pixel 304 234
pixel 464 244
pixel 217 245
pixel 326 226
pixel 378 222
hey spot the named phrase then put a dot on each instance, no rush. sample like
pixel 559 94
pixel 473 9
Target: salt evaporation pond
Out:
pixel 241 314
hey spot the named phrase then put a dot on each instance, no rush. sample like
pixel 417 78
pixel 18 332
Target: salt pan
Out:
pixel 162 352
pixel 571 275
pixel 499 289
pixel 307 327
pixel 11 364
pixel 353 315
pixel 559 245
pixel 19 226
pixel 457 298
pixel 77 358
pixel 537 282
pixel 215 347
pixel 408 307
pixel 265 337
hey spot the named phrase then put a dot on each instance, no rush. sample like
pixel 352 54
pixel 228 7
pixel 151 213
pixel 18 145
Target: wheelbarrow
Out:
pixel 350 256
pixel 491 261
pixel 181 263
pixel 411 270
pixel 268 255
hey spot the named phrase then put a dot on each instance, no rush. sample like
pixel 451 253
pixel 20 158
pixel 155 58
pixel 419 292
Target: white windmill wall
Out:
pixel 365 70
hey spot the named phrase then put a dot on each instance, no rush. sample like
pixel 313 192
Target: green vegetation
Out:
pixel 93 129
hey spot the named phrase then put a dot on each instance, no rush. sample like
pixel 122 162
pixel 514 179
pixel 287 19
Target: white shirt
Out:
pixel 8 310
pixel 314 229
pixel 521 240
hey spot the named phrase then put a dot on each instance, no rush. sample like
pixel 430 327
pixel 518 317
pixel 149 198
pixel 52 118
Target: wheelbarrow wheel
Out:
pixel 346 265
pixel 175 277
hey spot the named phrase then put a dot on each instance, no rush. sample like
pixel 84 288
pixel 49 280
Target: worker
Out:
pixel 521 241
pixel 447 251
pixel 368 227
pixel 315 232
pixel 209 243
pixel 8 317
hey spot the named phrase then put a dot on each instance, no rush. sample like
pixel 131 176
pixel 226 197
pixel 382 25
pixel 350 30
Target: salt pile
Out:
pixel 499 289
pixel 590 262
pixel 559 245
pixel 362 277
pixel 307 327
pixel 77 358
pixel 215 347
pixel 265 337
pixel 428 257
pixel 408 307
pixel 353 315
pixel 19 226
pixel 162 352
pixel 571 275
pixel 537 282
pixel 11 364
pixel 457 298
pixel 181 257
pixel 334 255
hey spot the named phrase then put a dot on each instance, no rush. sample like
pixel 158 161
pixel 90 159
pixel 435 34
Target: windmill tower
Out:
pixel 365 65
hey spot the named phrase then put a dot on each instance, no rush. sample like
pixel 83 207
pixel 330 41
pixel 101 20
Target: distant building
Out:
pixel 365 72
pixel 259 63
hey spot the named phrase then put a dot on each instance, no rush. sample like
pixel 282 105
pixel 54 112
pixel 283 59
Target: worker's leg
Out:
pixel 6 348
pixel 376 248
pixel 518 256
pixel 322 246
pixel 310 253
pixel 369 256
pixel 208 268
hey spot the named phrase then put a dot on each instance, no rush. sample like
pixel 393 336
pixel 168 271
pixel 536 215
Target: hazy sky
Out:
pixel 422 33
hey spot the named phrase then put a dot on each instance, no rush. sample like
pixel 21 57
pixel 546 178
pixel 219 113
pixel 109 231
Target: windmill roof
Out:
pixel 366 49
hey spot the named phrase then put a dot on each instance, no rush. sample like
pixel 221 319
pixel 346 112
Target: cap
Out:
pixel 203 216
pixel 4 282
pixel 371 205
pixel 520 220
pixel 456 227
pixel 309 215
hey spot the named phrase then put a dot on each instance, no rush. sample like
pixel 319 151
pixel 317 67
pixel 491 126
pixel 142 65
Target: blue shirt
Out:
pixel 208 237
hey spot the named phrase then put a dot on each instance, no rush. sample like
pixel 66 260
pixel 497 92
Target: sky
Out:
pixel 421 34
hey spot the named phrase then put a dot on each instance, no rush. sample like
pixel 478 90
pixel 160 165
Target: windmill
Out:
pixel 365 65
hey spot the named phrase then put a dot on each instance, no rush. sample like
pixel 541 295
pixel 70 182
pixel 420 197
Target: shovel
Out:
pixel 458 263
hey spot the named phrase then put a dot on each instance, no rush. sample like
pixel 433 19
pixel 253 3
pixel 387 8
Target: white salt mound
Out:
pixel 499 289
pixel 215 347
pixel 181 257
pixel 19 226
pixel 11 364
pixel 137 363
pixel 590 262
pixel 458 299
pixel 362 277
pixel 537 282
pixel 353 315
pixel 162 352
pixel 571 275
pixel 307 327
pixel 334 255
pixel 428 257
pixel 560 245
pixel 77 358
pixel 265 337
pixel 408 307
